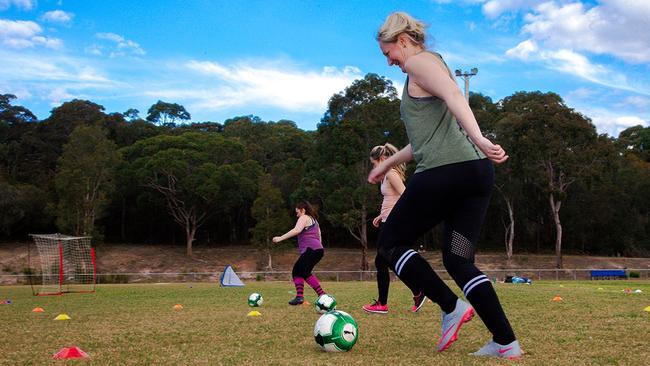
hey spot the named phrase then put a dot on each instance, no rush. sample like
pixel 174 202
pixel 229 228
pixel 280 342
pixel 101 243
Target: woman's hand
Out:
pixel 276 239
pixel 377 173
pixel 492 151
pixel 376 221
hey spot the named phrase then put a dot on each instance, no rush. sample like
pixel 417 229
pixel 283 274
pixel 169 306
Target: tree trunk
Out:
pixel 190 230
pixel 510 231
pixel 123 220
pixel 555 209
pixel 364 239
pixel 270 265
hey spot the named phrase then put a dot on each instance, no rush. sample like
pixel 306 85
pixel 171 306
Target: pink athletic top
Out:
pixel 390 198
pixel 309 238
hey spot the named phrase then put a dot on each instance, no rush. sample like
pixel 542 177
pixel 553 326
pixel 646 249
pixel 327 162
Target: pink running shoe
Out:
pixel 418 301
pixel 376 308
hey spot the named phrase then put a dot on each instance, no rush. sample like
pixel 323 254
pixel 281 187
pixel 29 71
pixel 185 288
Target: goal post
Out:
pixel 62 264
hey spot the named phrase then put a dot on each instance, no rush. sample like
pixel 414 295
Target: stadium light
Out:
pixel 466 76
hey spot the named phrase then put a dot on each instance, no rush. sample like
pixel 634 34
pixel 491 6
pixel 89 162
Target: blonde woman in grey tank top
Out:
pixel 452 185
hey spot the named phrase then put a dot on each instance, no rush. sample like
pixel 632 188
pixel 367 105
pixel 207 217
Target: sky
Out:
pixel 284 59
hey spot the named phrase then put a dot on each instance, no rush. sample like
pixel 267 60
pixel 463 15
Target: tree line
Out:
pixel 159 179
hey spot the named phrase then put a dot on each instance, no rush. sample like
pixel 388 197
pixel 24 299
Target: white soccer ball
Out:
pixel 336 331
pixel 255 300
pixel 325 303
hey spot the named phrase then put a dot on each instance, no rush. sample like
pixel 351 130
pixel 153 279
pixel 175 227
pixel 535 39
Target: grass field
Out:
pixel 136 325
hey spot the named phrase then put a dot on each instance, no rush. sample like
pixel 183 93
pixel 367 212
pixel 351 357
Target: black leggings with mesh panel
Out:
pixel 458 196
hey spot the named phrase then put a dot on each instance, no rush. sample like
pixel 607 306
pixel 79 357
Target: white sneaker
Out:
pixel 493 349
pixel 451 323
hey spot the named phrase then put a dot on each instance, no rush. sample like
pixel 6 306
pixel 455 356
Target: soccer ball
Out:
pixel 325 303
pixel 255 300
pixel 336 331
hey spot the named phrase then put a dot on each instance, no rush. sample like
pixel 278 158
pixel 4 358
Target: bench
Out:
pixel 607 274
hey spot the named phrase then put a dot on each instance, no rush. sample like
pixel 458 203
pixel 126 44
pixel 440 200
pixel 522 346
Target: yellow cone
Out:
pixel 557 298
pixel 647 308
pixel 178 307
pixel 561 285
pixel 254 313
pixel 600 289
pixel 38 310
pixel 62 317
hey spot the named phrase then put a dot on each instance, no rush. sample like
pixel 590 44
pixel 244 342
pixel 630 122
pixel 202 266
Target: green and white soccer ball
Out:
pixel 336 331
pixel 255 300
pixel 325 303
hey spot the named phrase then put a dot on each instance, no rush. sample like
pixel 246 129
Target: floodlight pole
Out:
pixel 466 76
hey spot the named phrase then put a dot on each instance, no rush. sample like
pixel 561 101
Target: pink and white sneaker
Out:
pixel 452 322
pixel 376 308
pixel 492 349
pixel 418 301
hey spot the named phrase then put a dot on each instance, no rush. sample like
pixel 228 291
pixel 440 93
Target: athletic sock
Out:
pixel 484 299
pixel 313 282
pixel 416 273
pixel 300 285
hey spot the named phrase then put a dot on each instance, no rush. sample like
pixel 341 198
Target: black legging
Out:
pixel 306 262
pixel 383 280
pixel 458 195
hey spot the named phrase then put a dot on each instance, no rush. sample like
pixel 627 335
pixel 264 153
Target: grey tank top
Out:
pixel 435 136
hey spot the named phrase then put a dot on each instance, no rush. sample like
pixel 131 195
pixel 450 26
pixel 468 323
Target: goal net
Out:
pixel 67 264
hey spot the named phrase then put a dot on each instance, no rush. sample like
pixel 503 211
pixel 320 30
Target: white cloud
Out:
pixel 57 16
pixel 22 4
pixel 269 85
pixel 495 8
pixel 612 122
pixel 582 93
pixel 123 46
pixel 523 50
pixel 52 78
pixel 613 27
pixel 25 34
pixel 110 36
pixel 57 96
pixel 94 50
pixel 636 101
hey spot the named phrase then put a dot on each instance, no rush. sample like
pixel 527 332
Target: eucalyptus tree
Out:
pixel 556 146
pixel 198 174
pixel 269 210
pixel 167 114
pixel 365 114
pixel 85 179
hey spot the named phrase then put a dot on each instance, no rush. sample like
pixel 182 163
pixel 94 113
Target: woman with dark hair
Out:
pixel 310 248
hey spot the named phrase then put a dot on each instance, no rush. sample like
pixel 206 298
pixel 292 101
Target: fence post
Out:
pixel 575 274
pixel 557 274
pixel 337 276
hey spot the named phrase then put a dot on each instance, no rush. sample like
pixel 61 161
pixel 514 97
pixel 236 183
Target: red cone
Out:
pixel 70 352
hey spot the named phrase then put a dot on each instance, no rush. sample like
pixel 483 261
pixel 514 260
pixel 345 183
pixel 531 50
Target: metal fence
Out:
pixel 164 277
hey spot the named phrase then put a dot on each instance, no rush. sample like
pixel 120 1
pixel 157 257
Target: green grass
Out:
pixel 136 325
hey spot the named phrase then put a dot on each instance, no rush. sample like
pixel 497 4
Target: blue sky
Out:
pixel 285 59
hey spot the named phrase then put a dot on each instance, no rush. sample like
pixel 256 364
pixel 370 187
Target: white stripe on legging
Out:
pixel 468 284
pixel 476 284
pixel 403 259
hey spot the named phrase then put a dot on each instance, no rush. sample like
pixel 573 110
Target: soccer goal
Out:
pixel 67 264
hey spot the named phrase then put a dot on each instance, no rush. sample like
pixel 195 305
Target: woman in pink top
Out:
pixel 310 248
pixel 392 186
